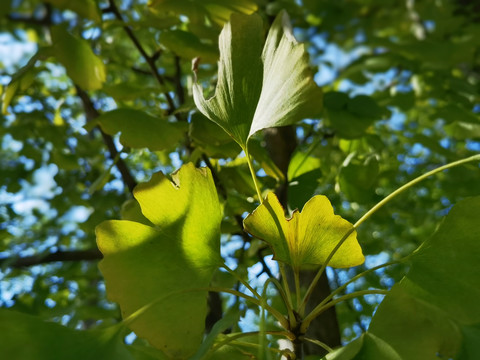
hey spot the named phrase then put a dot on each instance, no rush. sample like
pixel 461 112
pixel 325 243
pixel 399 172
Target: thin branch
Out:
pixel 74 255
pixel 91 114
pixel 178 81
pixel 150 60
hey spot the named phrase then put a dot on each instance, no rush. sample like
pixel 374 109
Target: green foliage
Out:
pixel 99 101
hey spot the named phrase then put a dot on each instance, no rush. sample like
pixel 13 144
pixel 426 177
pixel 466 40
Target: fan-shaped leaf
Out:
pixel 308 237
pixel 242 104
pixel 158 265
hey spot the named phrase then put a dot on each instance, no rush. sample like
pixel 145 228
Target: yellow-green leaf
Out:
pixel 308 237
pixel 82 65
pixel 164 265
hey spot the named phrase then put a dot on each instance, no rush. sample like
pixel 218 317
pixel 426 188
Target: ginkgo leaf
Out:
pixel 141 130
pixel 308 237
pixel 243 105
pixel 82 65
pixel 163 265
pixel 26 337
pixel 434 309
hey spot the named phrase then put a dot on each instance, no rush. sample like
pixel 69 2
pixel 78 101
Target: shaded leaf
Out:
pixel 187 45
pixel 366 347
pixel 303 175
pixel 82 65
pixel 85 8
pixel 26 337
pixel 242 105
pixel 350 117
pixel 144 264
pixel 308 237
pixel 434 309
pixel 140 130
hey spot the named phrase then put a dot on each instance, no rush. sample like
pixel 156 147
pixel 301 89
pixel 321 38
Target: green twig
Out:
pixel 322 307
pixel 277 314
pixel 286 300
pixel 317 342
pixel 373 210
pixel 244 283
pixel 254 176
pixel 412 183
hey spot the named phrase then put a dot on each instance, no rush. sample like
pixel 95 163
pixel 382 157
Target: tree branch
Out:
pixel 74 255
pixel 150 60
pixel 91 113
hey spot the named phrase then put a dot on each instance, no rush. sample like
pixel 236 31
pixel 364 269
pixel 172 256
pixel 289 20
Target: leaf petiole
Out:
pixel 254 176
pixel 322 307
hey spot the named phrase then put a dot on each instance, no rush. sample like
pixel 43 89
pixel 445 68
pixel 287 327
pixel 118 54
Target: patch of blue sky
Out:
pixel 15 52
pixel 473 145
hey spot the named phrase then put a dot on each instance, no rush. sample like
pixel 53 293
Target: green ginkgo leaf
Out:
pixel 308 237
pixel 163 265
pixel 434 309
pixel 26 337
pixel 242 104
pixel 82 65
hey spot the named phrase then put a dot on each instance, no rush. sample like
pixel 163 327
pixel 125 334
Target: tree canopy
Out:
pixel 240 179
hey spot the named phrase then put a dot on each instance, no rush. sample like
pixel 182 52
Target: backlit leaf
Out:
pixel 308 237
pixel 144 264
pixel 242 105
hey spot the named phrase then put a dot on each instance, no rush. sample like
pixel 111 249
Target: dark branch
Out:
pixel 91 114
pixel 149 59
pixel 75 255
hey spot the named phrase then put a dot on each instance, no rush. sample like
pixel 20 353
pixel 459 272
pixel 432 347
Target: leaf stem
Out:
pixel 254 176
pixel 286 287
pixel 320 308
pixel 374 209
pixel 286 301
pixel 242 281
pixel 317 342
pixel 277 314
pixel 363 273
pixel 296 278
pixel 412 183
pixel 233 337
pixel 322 269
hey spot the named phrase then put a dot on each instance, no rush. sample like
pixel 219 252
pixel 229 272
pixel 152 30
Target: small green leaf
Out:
pixel 82 65
pixel 26 337
pixel 161 266
pixel 187 45
pixel 243 105
pixel 367 347
pixel 308 237
pixel 140 130
pixel 434 309
pixel 211 139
